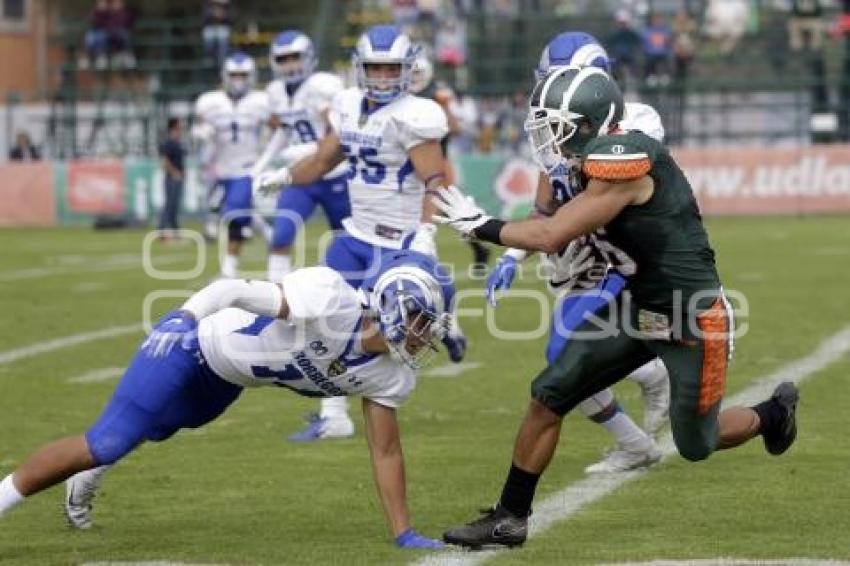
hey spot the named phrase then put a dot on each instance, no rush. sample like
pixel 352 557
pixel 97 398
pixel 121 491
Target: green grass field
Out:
pixel 236 492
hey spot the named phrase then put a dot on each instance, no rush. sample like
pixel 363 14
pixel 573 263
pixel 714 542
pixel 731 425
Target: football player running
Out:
pixel 300 100
pixel 673 306
pixel 311 333
pixel 229 123
pixel 391 140
pixel 586 264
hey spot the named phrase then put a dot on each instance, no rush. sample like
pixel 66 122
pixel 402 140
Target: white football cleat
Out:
pixel 656 404
pixel 322 428
pixel 80 490
pixel 622 460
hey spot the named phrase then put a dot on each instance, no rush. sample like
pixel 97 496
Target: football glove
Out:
pixel 423 240
pixel 459 211
pixel 501 277
pixel 176 327
pixel 412 539
pixel 271 181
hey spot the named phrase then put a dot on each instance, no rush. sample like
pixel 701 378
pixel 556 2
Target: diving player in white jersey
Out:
pixel 582 266
pixel 391 140
pixel 311 333
pixel 300 100
pixel 230 122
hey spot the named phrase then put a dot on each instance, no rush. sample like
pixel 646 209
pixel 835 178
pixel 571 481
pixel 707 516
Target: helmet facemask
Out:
pixel 410 317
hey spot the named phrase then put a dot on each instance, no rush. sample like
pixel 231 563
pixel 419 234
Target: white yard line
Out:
pixel 97 265
pixel 96 375
pixel 451 370
pixel 573 498
pixel 16 354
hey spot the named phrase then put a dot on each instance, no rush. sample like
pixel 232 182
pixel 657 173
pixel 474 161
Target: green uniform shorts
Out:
pixel 696 361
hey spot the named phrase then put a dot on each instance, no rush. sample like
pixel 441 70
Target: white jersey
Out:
pixel 604 254
pixel 386 196
pixel 304 115
pixel 316 352
pixel 238 125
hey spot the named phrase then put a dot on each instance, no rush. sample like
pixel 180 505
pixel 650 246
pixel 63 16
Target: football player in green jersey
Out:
pixel 673 307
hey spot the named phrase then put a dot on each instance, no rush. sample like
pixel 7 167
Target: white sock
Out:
pixel 279 265
pixel 9 495
pixel 229 265
pixel 649 373
pixel 334 408
pixel 628 434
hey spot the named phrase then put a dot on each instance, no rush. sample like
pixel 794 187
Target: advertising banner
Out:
pixel 26 195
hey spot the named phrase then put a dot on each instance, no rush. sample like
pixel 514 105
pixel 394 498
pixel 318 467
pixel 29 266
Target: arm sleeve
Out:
pixel 259 297
pixel 620 158
pixel 317 292
pixel 422 121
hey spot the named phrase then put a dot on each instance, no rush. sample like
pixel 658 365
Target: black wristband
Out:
pixel 489 231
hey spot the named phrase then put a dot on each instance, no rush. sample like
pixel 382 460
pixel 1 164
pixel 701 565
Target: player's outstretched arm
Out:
pixel 429 164
pixel 328 155
pixel 382 434
pixel 259 297
pixel 593 208
pixel 276 143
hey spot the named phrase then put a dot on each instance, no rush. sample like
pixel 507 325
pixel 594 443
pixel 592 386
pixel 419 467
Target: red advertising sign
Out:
pixel 802 180
pixel 96 187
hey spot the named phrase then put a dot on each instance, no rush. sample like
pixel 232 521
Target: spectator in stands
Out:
pixel 119 26
pixel 24 150
pixel 513 128
pixel 465 109
pixel 172 154
pixel 216 31
pixel 657 50
pixel 726 22
pixel 805 26
pixel 684 44
pixel 623 45
pixel 95 40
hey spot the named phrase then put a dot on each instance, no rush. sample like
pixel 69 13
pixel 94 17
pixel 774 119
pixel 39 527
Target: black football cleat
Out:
pixel 498 526
pixel 779 438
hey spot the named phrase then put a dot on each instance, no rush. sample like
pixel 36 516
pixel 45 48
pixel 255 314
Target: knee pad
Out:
pixel 599 407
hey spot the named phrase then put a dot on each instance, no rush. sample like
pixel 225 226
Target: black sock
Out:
pixel 770 415
pixel 519 491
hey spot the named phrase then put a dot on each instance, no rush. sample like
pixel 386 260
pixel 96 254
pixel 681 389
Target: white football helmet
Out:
pixel 421 74
pixel 384 44
pixel 238 74
pixel 287 43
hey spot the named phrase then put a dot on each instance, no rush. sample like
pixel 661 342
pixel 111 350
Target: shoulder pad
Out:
pixel 619 157
pixel 421 119
pixel 644 118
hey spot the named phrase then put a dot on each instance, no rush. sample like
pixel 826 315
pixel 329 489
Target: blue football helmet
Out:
pixel 292 42
pixel 384 44
pixel 575 48
pixel 410 297
pixel 238 74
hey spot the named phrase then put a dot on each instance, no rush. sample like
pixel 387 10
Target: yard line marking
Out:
pixel 567 502
pixel 451 369
pixel 117 264
pixel 96 375
pixel 16 354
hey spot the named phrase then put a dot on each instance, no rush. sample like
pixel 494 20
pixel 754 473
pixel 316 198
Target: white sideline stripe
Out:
pixel 573 498
pixel 451 370
pixel 736 562
pixel 96 375
pixel 16 354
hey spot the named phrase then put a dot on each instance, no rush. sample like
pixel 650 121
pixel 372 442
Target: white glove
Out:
pixel 269 182
pixel 423 241
pixel 459 211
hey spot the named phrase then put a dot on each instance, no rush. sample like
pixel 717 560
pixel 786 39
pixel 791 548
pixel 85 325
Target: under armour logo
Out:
pixel 618 149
